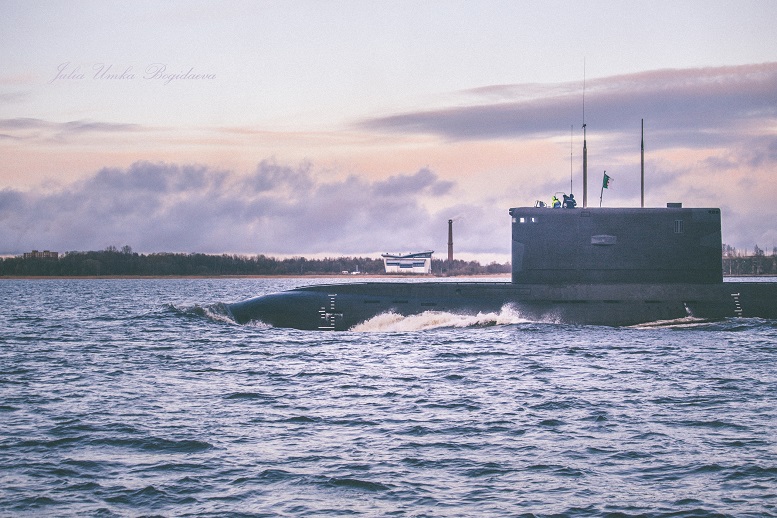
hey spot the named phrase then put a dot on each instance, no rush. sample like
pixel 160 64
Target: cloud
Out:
pixel 23 128
pixel 422 181
pixel 79 126
pixel 764 152
pixel 13 97
pixel 689 107
pixel 272 177
pixel 278 209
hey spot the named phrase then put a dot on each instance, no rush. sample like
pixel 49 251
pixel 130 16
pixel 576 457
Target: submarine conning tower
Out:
pixel 616 245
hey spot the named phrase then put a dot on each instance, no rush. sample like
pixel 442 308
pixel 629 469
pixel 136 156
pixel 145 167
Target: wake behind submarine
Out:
pixel 595 266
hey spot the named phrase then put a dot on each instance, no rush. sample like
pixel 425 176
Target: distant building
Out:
pixel 420 262
pixel 46 254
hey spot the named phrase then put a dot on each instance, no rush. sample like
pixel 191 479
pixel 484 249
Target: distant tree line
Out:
pixel 125 262
pixel 757 263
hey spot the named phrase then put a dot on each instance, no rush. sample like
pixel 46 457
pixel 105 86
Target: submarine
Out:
pixel 588 266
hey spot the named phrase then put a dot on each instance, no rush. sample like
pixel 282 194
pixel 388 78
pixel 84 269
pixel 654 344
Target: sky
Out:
pixel 355 128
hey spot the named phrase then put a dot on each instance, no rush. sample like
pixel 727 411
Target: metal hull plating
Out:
pixel 342 306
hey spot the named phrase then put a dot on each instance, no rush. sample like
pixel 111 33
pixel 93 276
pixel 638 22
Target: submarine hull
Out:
pixel 614 267
pixel 342 306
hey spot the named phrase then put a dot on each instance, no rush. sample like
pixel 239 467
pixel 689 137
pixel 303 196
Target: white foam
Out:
pixel 677 322
pixel 218 313
pixel 439 319
pixel 257 324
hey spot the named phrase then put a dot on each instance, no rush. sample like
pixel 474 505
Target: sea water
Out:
pixel 142 397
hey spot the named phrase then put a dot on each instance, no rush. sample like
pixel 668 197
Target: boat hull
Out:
pixel 342 306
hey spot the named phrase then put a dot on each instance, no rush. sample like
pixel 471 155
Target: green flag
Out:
pixel 606 181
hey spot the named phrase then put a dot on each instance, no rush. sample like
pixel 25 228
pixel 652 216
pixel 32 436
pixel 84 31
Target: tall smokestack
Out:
pixel 450 240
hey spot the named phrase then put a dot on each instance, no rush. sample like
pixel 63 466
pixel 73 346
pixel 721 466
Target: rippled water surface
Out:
pixel 138 397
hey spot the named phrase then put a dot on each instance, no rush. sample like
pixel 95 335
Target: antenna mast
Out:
pixel 571 127
pixel 642 169
pixel 585 149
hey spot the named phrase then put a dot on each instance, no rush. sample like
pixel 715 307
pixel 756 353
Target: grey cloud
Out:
pixel 147 176
pixel 31 128
pixel 13 97
pixel 22 123
pixel 482 122
pixel 763 151
pixel 90 126
pixel 10 201
pixel 279 209
pixel 423 180
pixel 270 176
pixel 685 107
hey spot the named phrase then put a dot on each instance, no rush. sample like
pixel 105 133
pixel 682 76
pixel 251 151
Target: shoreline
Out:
pixel 506 276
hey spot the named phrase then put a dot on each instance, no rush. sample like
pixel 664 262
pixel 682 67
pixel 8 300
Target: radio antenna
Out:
pixel 571 128
pixel 642 165
pixel 583 91
pixel 585 149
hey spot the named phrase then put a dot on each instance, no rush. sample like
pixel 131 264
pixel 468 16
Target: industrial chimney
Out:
pixel 450 240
